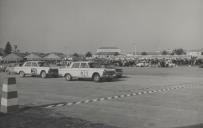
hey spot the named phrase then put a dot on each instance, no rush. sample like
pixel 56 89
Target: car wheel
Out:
pixel 22 74
pixel 43 74
pixel 96 77
pixel 109 79
pixel 68 77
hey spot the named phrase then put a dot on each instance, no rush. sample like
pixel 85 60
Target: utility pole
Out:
pixel 134 49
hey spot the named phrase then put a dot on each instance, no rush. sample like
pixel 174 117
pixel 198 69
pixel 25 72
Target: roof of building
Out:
pixel 108 48
pixel 107 53
pixel 12 57
pixel 52 56
pixel 32 56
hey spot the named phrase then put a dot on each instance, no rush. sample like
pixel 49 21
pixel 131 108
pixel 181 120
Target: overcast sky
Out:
pixel 84 25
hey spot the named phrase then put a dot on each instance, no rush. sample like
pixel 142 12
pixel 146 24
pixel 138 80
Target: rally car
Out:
pixel 36 68
pixel 88 70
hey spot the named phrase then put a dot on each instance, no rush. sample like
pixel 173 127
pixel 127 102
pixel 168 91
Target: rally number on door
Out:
pixel 84 73
pixel 33 71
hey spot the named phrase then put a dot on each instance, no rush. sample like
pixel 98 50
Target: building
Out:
pixel 13 58
pixel 33 56
pixel 194 53
pixel 104 52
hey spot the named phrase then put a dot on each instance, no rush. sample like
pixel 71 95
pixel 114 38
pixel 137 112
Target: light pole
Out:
pixel 134 49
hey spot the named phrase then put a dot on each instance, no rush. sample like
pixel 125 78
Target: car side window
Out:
pixel 34 65
pixel 76 65
pixel 84 65
pixel 28 64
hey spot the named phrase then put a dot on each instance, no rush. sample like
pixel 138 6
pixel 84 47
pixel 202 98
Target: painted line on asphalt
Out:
pixel 117 96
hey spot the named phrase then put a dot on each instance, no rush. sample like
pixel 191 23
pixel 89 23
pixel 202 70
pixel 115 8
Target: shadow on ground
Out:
pixel 44 118
pixel 192 126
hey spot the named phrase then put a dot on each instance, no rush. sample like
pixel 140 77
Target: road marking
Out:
pixel 69 104
pixel 109 98
pixel 121 96
pixel 117 96
pixel 59 105
pixel 86 101
pixel 94 100
pixel 144 92
pixel 101 99
pixel 78 102
pixel 50 106
pixel 127 95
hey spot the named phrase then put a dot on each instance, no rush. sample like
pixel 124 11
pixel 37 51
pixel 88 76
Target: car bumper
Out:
pixel 109 76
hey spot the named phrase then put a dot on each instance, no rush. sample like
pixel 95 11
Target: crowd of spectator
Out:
pixel 153 62
pixel 125 61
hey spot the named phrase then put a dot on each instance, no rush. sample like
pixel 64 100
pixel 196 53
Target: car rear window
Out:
pixel 84 65
pixel 43 64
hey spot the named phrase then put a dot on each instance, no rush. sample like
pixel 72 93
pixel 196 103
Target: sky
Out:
pixel 84 25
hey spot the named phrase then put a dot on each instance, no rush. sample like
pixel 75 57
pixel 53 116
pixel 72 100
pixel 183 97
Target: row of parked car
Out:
pixel 82 69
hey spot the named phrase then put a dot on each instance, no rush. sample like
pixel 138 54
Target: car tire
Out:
pixel 43 74
pixel 96 77
pixel 22 74
pixel 109 79
pixel 68 77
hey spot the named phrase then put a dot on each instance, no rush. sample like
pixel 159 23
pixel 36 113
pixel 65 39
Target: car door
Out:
pixel 27 68
pixel 84 72
pixel 34 68
pixel 75 70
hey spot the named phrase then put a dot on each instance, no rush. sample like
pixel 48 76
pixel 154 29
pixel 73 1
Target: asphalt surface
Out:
pixel 181 107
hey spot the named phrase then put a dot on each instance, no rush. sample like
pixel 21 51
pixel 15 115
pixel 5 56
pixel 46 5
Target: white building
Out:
pixel 195 53
pixel 103 52
pixel 108 49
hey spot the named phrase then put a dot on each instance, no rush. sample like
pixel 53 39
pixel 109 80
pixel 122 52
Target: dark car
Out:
pixel 119 71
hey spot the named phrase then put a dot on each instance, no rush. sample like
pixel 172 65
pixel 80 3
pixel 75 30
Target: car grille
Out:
pixel 119 70
pixel 110 73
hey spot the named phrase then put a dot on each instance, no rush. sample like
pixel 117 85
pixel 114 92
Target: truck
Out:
pixel 36 68
pixel 87 70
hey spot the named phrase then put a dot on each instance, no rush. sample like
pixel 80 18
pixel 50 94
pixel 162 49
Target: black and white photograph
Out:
pixel 101 63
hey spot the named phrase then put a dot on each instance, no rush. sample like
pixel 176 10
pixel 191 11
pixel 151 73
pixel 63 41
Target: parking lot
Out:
pixel 172 97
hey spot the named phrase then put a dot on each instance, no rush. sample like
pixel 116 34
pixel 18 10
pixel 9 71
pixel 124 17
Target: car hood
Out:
pixel 109 69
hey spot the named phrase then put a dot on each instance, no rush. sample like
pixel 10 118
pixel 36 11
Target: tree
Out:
pixel 164 52
pixel 88 54
pixel 1 52
pixel 8 48
pixel 179 51
pixel 75 55
pixel 144 53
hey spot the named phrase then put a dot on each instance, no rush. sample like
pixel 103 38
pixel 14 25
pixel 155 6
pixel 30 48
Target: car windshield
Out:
pixel 95 65
pixel 43 64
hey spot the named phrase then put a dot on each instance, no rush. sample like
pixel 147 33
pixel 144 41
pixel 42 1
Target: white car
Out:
pixel 86 69
pixel 142 64
pixel 36 68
